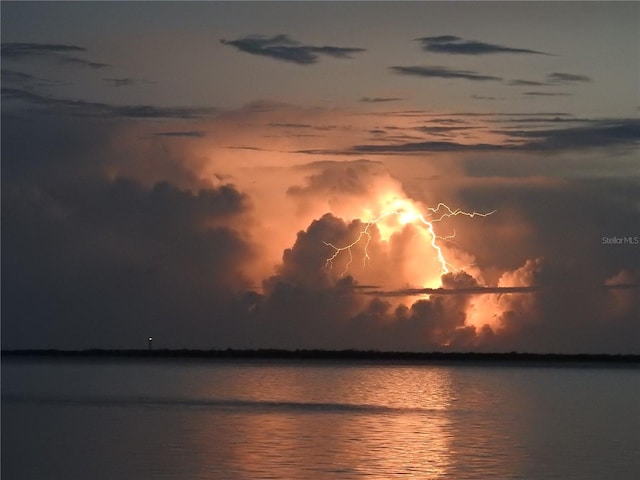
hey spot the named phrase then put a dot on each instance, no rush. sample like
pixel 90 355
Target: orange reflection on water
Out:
pixel 322 421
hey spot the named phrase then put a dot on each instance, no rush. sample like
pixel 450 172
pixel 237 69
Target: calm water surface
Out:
pixel 315 420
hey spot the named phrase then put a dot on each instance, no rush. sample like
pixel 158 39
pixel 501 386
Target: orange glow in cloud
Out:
pixel 394 215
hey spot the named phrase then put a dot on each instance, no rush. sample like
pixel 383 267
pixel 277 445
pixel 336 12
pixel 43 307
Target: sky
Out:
pixel 408 176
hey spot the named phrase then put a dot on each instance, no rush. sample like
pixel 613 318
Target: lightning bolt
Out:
pixel 406 213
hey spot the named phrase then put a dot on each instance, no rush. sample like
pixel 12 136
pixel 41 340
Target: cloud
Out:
pixel 125 82
pixel 483 97
pixel 113 233
pixel 282 47
pixel 48 51
pixel 186 134
pixel 66 106
pixel 527 83
pixel 443 72
pixel 590 134
pixel 453 45
pixel 96 263
pixel 595 134
pixel 557 77
pixel 290 125
pixel 441 129
pixel 417 147
pixel 25 80
pixel 479 290
pixel 379 99
pixel 332 178
pixel 547 94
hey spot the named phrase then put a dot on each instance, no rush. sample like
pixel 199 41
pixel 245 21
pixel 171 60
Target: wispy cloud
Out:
pixel 187 134
pixel 97 109
pixel 483 97
pixel 453 45
pixel 589 134
pixel 558 77
pixel 380 99
pixel 125 82
pixel 59 53
pixel 282 47
pixel 479 290
pixel 526 83
pixel 443 72
pixel 597 133
pixel 547 94
pixel 25 80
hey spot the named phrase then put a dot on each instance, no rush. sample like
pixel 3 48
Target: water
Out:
pixel 316 420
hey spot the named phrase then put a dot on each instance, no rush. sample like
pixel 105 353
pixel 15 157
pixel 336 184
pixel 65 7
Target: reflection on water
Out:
pixel 316 420
pixel 399 425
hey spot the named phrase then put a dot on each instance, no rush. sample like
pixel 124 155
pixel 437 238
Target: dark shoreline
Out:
pixel 338 355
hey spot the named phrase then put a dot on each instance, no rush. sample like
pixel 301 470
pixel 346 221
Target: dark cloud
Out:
pixel 49 51
pixel 417 147
pixel 186 134
pixel 57 105
pixel 551 119
pixel 379 99
pixel 593 134
pixel 25 80
pixel 104 263
pixel 607 133
pixel 453 45
pixel 527 83
pixel 557 77
pixel 547 94
pixel 479 290
pixel 442 128
pixel 337 178
pixel 125 82
pixel 282 47
pixel 290 125
pixel 483 97
pixel 109 238
pixel 577 307
pixel 246 147
pixel 443 72
pixel 18 50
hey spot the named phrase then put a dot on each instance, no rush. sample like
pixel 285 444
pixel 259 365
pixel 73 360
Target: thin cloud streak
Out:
pixel 379 99
pixel 187 134
pixel 452 45
pixel 56 52
pixel 489 290
pixel 99 109
pixel 443 72
pixel 282 47
pixel 558 77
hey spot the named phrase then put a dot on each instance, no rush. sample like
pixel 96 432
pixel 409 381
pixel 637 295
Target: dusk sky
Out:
pixel 377 175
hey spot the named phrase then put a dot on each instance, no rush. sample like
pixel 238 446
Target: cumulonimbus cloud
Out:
pixel 282 47
pixel 450 44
